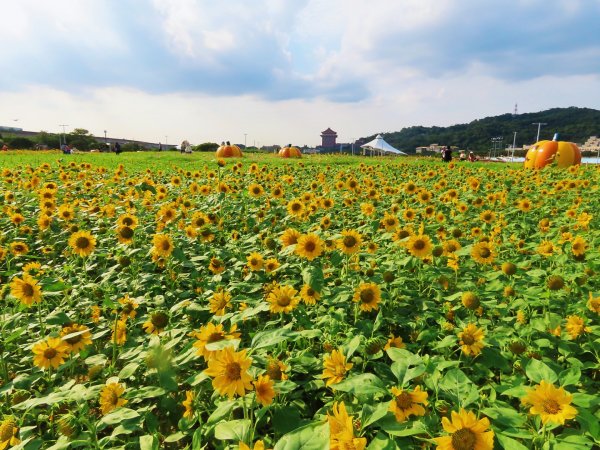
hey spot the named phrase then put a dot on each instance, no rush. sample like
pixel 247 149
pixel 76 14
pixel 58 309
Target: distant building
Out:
pixel 328 138
pixel 591 145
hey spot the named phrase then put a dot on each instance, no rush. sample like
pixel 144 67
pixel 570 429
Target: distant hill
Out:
pixel 573 124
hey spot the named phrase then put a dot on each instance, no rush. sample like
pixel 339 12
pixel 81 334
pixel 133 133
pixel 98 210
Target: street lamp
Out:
pixel 64 134
pixel 245 134
pixel 539 124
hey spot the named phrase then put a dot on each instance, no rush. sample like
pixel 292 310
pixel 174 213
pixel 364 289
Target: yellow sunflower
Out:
pixel 395 342
pixel 157 322
pixel 211 333
pixel 576 326
pixel 255 261
pixel 466 433
pixel 290 237
pixel 276 369
pixel 419 245
pixel 125 235
pixel 271 265
pixel 368 295
pixel 110 397
pixel 550 403
pixel 127 220
pixel 283 299
pixel 129 306
pixel 162 245
pixel 26 289
pixel 309 295
pixel 51 352
pixel 220 302
pixel 295 208
pixel 82 243
pixel 119 332
pixel 579 246
pixel 335 367
pixel 407 403
pixel 255 190
pixel 390 222
pixel 265 393
pixel 471 339
pixel 341 430
pixel 483 253
pixel 216 266
pixel 350 242
pixel 188 404
pixel 8 433
pixel 258 445
pixel 593 303
pixel 309 246
pixel 229 370
pixel 19 248
pixel 77 337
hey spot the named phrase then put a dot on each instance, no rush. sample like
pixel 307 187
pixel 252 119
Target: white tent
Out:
pixel 380 146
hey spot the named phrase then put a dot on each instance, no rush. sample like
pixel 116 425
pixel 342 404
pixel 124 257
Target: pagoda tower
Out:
pixel 328 138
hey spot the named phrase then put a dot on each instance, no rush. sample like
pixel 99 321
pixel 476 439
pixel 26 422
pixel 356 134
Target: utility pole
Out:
pixel 64 134
pixel 539 124
pixel 512 157
pixel 245 134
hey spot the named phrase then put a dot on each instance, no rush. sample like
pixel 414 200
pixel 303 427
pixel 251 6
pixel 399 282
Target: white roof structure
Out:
pixel 380 146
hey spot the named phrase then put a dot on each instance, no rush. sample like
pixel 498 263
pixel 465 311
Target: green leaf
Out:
pixel 505 416
pixel 148 442
pixel 371 414
pixel 509 443
pixel 175 437
pixel 537 371
pixel 570 376
pixel 118 416
pixel 128 370
pixel 314 436
pixel 364 383
pixel 391 426
pixel 269 338
pixel 351 346
pixel 589 423
pixel 313 276
pixel 233 430
pixel 459 387
pixel 382 442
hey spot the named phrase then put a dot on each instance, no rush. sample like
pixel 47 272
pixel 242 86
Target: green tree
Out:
pixel 206 147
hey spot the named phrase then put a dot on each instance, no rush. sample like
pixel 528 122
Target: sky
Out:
pixel 264 72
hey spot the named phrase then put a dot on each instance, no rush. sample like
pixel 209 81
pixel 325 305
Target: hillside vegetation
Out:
pixel 573 124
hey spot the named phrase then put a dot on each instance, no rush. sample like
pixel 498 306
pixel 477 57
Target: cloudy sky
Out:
pixel 281 71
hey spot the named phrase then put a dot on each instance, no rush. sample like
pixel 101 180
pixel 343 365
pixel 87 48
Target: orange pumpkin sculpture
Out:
pixel 228 151
pixel 290 152
pixel 560 153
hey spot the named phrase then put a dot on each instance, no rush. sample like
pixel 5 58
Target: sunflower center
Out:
pixel 82 242
pixel 6 431
pixel 484 252
pixel 75 339
pixel 215 337
pixel 27 290
pixel 127 221
pixel 419 244
pixel 50 353
pixel 284 300
pixel 404 400
pixel 274 371
pixel 367 296
pixel 551 406
pixel 165 245
pixel 296 207
pixel 468 339
pixel 349 241
pixel 463 439
pixel 160 320
pixel 233 371
pixel 126 233
pixel 310 246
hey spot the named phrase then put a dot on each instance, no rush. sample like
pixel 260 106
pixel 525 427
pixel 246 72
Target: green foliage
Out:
pixel 573 124
pixel 206 147
pixel 19 142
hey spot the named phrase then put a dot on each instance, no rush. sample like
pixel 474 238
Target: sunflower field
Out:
pixel 321 303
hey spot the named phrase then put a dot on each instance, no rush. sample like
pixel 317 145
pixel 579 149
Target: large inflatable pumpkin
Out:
pixel 554 152
pixel 228 151
pixel 290 152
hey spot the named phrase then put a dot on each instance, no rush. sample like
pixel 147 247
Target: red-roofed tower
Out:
pixel 328 138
